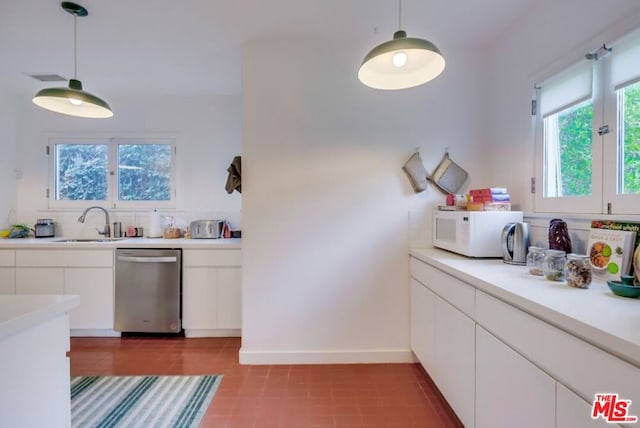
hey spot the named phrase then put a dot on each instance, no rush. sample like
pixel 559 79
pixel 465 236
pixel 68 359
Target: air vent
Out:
pixel 47 77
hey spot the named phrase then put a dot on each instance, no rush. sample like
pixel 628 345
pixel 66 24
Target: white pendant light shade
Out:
pixel 401 63
pixel 73 101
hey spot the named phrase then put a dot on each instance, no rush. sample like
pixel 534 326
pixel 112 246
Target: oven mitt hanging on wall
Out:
pixel 416 173
pixel 234 179
pixel 449 176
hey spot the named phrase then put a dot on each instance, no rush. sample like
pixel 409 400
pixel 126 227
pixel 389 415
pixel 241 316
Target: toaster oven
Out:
pixel 206 229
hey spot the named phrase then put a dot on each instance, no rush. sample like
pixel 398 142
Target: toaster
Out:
pixel 44 228
pixel 206 229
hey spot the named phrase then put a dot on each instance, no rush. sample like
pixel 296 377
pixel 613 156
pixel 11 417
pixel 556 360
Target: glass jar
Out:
pixel 577 270
pixel 535 257
pixel 553 265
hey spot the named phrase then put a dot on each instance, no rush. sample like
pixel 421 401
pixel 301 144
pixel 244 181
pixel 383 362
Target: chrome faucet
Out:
pixel 107 231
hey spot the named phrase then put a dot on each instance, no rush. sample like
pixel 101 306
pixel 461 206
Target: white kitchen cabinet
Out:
pixel 211 293
pixel 510 391
pixel 573 412
pixel 443 336
pixel 423 324
pixel 7 280
pixel 229 298
pixel 87 273
pixel 7 272
pixel 34 280
pixel 454 368
pixel 95 288
pixel 199 298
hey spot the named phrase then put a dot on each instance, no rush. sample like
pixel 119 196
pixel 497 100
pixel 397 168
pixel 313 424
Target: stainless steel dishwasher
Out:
pixel 148 290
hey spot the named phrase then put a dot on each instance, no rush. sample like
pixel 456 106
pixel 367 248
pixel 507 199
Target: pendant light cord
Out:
pixel 75 46
pixel 399 14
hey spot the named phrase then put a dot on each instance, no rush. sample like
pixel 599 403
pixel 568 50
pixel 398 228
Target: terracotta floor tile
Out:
pixel 279 396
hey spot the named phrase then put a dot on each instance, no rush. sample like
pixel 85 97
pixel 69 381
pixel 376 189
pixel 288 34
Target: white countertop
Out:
pixel 233 243
pixel 595 314
pixel 20 312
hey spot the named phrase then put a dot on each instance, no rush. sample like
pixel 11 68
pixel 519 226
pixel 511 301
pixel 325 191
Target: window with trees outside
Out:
pixel 588 134
pixel 115 173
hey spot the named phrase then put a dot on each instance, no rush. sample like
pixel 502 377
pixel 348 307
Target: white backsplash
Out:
pixel 67 224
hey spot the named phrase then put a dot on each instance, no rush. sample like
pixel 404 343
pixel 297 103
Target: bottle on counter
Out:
pixel 553 265
pixel 535 257
pixel 578 270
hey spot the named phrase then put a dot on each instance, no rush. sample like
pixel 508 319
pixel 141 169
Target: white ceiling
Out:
pixel 184 46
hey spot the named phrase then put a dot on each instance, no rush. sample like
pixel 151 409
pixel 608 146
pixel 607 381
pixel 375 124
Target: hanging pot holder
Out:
pixel 448 176
pixel 416 173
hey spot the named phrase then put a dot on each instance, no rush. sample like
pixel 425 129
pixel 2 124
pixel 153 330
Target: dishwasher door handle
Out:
pixel 147 259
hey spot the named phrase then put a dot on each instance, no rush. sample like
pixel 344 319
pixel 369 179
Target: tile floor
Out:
pixel 283 396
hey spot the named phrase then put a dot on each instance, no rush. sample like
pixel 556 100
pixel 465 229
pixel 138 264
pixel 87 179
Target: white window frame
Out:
pixel 112 201
pixel 605 168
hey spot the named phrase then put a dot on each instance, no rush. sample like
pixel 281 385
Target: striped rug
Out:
pixel 140 401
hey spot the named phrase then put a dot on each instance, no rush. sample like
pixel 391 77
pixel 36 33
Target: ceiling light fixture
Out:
pixel 73 100
pixel 402 62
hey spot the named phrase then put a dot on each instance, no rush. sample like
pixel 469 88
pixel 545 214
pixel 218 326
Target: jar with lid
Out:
pixel 578 270
pixel 553 265
pixel 535 256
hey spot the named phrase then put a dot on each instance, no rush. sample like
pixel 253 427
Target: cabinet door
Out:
pixel 454 369
pixel 423 324
pixel 199 298
pixel 229 298
pixel 95 288
pixel 510 391
pixel 39 281
pixel 573 412
pixel 7 280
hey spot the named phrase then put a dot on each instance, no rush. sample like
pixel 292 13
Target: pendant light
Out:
pixel 73 101
pixel 402 62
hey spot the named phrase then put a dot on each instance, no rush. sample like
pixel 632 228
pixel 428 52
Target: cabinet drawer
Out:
pixel 564 356
pixel 456 292
pixel 7 258
pixel 211 257
pixel 64 258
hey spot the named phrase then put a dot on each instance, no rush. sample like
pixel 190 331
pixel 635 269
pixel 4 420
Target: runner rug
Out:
pixel 141 401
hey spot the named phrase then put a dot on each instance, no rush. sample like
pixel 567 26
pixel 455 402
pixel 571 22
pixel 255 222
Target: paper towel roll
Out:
pixel 155 225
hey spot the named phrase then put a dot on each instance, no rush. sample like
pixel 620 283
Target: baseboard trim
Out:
pixel 327 357
pixel 218 332
pixel 86 332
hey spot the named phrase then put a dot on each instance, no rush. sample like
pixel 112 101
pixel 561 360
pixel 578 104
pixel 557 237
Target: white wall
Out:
pixel 208 134
pixel 326 204
pixel 547 39
pixel 7 159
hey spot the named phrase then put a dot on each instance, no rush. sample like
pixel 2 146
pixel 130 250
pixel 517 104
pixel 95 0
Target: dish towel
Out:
pixel 234 179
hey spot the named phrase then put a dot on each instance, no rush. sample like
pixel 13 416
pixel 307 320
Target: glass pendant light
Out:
pixel 73 101
pixel 402 62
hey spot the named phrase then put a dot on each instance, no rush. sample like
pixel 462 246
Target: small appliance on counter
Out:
pixel 206 229
pixel 472 233
pixel 44 228
pixel 515 243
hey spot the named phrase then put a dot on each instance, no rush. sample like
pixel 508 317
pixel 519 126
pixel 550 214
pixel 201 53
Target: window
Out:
pixel 588 134
pixel 113 173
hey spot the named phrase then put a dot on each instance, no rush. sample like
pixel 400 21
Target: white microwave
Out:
pixel 472 233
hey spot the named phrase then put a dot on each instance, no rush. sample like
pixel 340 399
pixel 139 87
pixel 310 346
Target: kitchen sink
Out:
pixel 88 240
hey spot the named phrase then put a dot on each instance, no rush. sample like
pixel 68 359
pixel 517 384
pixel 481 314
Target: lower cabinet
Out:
pixel 442 338
pixel 455 360
pixel 510 391
pixel 7 272
pixel 498 366
pixel 88 274
pixel 211 293
pixel 40 280
pixel 95 288
pixel 423 324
